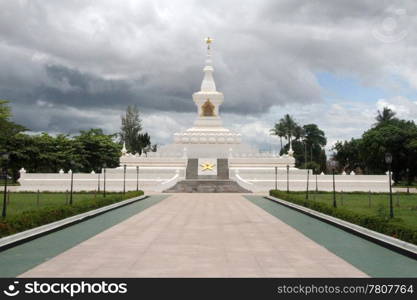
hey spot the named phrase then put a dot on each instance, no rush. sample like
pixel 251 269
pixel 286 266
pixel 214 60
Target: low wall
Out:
pixel 157 179
pixel 151 179
pixel 263 180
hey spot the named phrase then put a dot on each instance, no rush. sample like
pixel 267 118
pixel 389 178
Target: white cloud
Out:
pixel 404 107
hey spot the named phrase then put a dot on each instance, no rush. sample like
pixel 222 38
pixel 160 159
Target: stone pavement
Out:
pixel 198 235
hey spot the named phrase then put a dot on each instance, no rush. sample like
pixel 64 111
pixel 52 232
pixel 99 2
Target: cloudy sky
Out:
pixel 71 65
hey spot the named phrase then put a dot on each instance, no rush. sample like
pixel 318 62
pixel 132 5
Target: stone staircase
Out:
pixel 207 184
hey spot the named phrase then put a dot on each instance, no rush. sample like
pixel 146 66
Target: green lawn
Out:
pixel 405 205
pixel 29 210
pixel 20 202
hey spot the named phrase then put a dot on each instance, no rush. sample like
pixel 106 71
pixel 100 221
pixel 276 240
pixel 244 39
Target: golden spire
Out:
pixel 208 42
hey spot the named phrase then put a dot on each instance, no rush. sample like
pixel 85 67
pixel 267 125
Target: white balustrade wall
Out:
pixel 263 180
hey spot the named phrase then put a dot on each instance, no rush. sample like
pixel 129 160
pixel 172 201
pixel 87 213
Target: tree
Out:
pixel 131 135
pixel 307 139
pixel 279 130
pixel 315 141
pixel 94 148
pixel 7 128
pixel 385 115
pixel 8 131
pixel 5 111
pixel 291 128
pixel 348 154
pixel 131 128
pixel 390 134
pixel 395 136
pixel 144 141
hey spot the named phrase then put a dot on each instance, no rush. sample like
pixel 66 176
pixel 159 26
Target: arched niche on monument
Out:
pixel 207 109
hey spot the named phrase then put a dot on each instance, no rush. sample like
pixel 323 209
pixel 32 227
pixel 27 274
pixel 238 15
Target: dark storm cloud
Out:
pixel 65 60
pixel 70 87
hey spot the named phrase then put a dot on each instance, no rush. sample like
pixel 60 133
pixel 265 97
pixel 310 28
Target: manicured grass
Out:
pixel 25 211
pixel 370 210
pixel 405 205
pixel 20 202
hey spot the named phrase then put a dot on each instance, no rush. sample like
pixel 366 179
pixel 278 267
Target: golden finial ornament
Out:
pixel 208 42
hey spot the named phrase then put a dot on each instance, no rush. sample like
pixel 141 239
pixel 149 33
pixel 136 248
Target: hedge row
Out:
pixel 34 218
pixel 375 223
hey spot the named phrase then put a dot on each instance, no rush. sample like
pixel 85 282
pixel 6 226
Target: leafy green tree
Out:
pixel 315 141
pixel 389 134
pixel 307 141
pixel 348 154
pixel 395 136
pixel 93 148
pixel 8 131
pixel 5 111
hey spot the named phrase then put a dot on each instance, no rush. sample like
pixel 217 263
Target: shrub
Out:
pixel 34 218
pixel 377 223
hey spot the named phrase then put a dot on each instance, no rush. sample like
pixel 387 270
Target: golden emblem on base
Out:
pixel 207 166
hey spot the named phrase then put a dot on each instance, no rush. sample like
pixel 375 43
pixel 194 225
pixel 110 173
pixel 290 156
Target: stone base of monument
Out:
pixel 207 186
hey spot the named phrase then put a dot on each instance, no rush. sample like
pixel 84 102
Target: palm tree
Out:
pixel 290 127
pixel 315 138
pixel 279 130
pixel 385 115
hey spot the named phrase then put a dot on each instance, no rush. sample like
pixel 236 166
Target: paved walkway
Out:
pixel 198 235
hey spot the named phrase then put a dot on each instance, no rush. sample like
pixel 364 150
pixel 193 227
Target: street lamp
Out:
pixel 333 165
pixel 104 179
pixel 317 187
pixel 72 163
pixel 98 182
pixel 276 178
pixel 137 178
pixel 308 177
pixel 5 157
pixel 388 160
pixel 408 180
pixel 124 180
pixel 288 178
pixel 305 153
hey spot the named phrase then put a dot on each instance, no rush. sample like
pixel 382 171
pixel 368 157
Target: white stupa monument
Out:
pixel 208 137
pixel 208 141
pixel 206 157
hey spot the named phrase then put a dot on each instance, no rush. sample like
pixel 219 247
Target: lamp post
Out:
pixel 5 157
pixel 98 182
pixel 137 178
pixel 333 165
pixel 288 178
pixel 72 181
pixel 308 177
pixel 408 181
pixel 276 178
pixel 388 160
pixel 317 187
pixel 305 153
pixel 124 180
pixel 104 179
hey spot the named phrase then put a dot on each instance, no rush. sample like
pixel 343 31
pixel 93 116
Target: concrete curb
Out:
pixel 394 244
pixel 27 235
